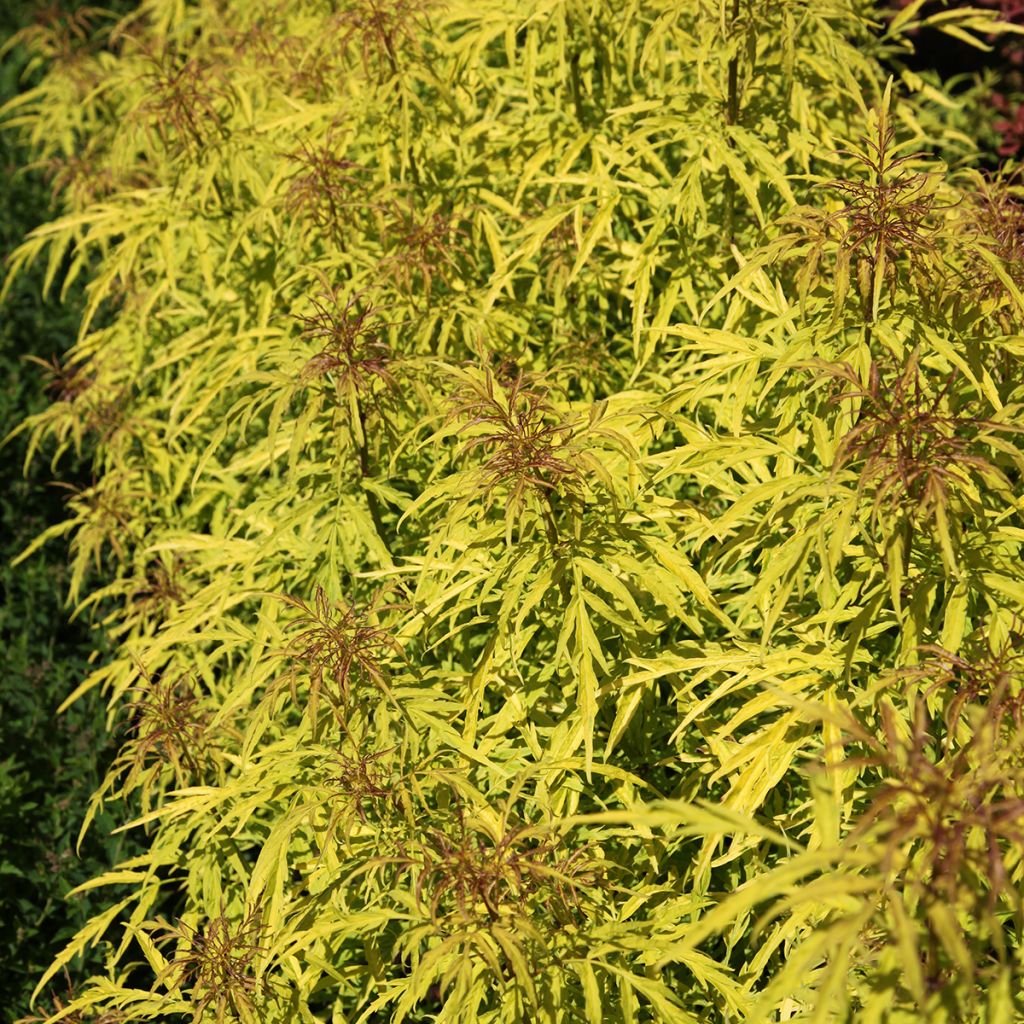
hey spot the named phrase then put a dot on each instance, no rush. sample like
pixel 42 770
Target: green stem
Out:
pixel 577 88
pixel 365 470
pixel 555 540
pixel 732 116
pixel 550 524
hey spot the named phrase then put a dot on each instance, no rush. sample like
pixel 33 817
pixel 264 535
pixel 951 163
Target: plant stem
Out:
pixel 577 88
pixel 555 540
pixel 908 543
pixel 732 116
pixel 550 523
pixel 363 453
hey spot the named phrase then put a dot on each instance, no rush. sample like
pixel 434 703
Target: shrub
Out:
pixel 556 468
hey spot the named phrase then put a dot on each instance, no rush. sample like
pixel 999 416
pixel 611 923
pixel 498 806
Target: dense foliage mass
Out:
pixel 557 469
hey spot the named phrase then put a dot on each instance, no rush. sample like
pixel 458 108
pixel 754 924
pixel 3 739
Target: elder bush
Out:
pixel 557 471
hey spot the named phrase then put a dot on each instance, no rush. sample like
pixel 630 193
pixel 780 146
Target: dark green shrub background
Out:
pixel 49 764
